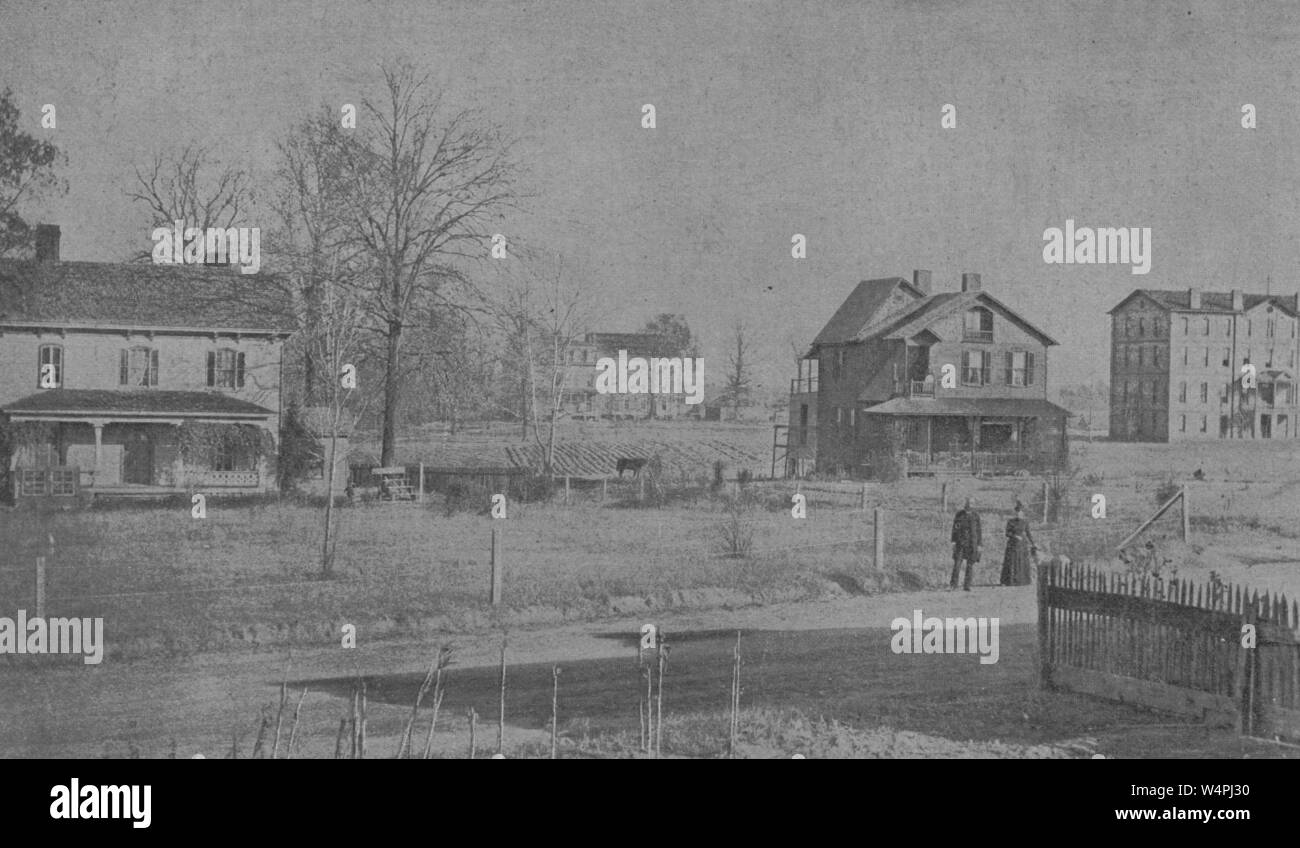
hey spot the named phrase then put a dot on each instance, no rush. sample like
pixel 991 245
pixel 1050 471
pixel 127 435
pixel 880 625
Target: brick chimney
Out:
pixel 970 282
pixel 1193 299
pixel 47 243
pixel 1238 301
pixel 921 280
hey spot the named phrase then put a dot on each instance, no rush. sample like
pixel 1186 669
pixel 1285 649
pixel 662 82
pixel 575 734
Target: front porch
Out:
pixel 52 452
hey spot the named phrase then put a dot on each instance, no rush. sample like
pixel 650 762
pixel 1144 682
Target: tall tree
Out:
pixel 678 340
pixel 740 381
pixel 422 185
pixel 27 174
pixel 190 185
pixel 310 233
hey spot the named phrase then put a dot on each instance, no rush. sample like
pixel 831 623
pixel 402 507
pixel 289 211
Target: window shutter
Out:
pixel 212 368
pixel 965 364
pixel 1029 369
pixel 239 371
pixel 1011 367
pixel 124 371
pixel 153 367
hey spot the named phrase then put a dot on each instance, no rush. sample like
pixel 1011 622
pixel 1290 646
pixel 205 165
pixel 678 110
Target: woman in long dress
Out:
pixel 1018 561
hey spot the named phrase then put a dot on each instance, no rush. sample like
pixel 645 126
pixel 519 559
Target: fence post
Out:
pixel 604 488
pixel 862 499
pixel 943 497
pixel 420 491
pixel 566 489
pixel 1186 517
pixel 1044 623
pixel 497 566
pixel 879 526
pixel 40 588
pixel 1044 500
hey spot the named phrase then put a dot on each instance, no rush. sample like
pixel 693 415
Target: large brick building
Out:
pixel 1176 362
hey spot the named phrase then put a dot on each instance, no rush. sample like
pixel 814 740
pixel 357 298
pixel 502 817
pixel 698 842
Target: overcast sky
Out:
pixel 773 118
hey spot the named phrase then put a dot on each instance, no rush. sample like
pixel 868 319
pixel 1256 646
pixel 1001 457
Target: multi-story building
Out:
pixel 137 378
pixel 955 380
pixel 1177 363
pixel 580 398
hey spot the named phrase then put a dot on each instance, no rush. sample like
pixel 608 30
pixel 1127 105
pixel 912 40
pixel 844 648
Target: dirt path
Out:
pixel 830 658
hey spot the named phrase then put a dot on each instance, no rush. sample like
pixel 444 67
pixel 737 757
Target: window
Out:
pixel 1126 391
pixel 138 367
pixel 1155 391
pixel 1156 327
pixel 1019 368
pixel 978 325
pixel 839 416
pixel 1182 423
pixel 1202 423
pixel 1184 356
pixel 1185 330
pixel 1250 327
pixel 1142 327
pixel 1227 326
pixel 1155 356
pixel 1128 327
pixel 853 418
pixel 226 368
pixel 1205 392
pixel 49 371
pixel 974 367
pixel 1207 326
pixel 1207 357
pixel 1141 391
pixel 1128 356
pixel 1182 393
pixel 1141 356
pixel 1270 327
pixel 1227 356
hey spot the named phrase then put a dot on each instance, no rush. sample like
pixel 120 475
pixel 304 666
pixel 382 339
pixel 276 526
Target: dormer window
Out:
pixel 978 325
pixel 138 367
pixel 49 372
pixel 225 369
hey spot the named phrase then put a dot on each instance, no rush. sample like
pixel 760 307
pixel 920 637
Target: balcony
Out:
pixel 803 385
pixel 921 388
pixel 977 335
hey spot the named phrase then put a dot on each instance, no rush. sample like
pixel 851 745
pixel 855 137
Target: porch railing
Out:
pixel 51 481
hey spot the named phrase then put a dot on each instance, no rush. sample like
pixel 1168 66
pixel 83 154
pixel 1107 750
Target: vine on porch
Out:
pixel 200 441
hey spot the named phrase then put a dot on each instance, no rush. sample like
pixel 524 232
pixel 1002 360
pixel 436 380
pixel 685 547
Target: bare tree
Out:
pixel 740 382
pixel 190 185
pixel 26 174
pixel 541 314
pixel 310 233
pixel 336 346
pixel 422 185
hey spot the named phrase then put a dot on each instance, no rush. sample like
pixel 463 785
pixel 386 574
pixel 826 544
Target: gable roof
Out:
pixel 860 319
pixel 860 308
pixel 142 402
pixel 942 305
pixel 1211 301
pixel 142 295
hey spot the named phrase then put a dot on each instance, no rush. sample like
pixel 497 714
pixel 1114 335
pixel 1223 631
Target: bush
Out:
pixel 1167 490
pixel 297 453
pixel 736 531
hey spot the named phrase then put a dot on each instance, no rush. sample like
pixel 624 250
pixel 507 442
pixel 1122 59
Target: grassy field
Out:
pixel 248 574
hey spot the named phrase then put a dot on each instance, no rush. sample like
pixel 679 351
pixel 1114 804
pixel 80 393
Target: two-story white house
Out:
pixel 120 378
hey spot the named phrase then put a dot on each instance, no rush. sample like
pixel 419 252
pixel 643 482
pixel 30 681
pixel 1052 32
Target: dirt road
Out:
pixel 830 658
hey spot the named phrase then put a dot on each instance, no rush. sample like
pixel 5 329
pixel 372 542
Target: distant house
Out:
pixel 1177 359
pixel 872 391
pixel 580 398
pixel 137 378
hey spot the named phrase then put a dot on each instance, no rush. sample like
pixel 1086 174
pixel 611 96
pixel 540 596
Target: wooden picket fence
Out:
pixel 1174 645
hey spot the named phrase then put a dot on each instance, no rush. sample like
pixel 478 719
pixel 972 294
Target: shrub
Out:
pixel 297 449
pixel 1166 490
pixel 736 531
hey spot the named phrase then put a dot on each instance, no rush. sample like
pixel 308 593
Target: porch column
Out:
pixel 99 443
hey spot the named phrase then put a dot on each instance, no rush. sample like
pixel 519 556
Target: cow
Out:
pixel 630 464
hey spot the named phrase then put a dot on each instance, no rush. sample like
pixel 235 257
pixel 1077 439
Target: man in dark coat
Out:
pixel 967 543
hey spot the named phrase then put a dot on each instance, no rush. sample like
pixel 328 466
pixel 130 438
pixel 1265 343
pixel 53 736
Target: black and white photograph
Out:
pixel 430 379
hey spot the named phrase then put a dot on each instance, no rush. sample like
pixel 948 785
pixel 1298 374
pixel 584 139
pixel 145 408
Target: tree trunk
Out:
pixel 392 393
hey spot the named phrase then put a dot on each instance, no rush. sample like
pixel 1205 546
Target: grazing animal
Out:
pixel 1199 475
pixel 630 464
